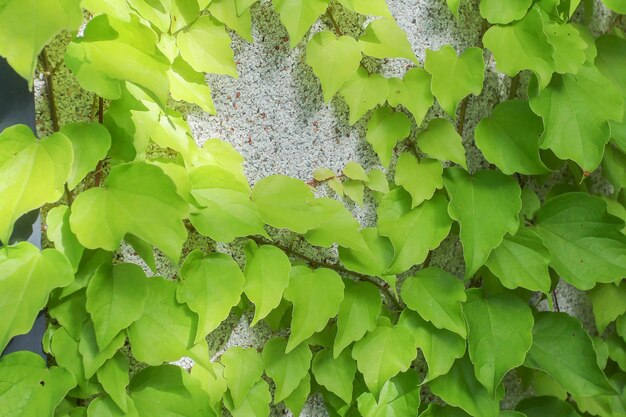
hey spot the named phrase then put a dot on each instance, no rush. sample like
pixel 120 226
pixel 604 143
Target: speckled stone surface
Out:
pixel 273 114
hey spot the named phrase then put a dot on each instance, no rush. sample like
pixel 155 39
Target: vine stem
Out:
pixel 330 265
pixel 329 14
pixel 98 175
pixel 461 126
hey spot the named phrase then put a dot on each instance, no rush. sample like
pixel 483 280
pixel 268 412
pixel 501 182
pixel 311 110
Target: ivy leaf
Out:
pixel 522 261
pixel 384 130
pixel 256 403
pixel 354 190
pixel 29 388
pixel 113 376
pixel 437 296
pixel 441 141
pixel 168 390
pixel 400 396
pixel 413 232
pixel 509 138
pixel 296 401
pixel 615 5
pixel 106 407
pixel 436 410
pixel 497 12
pixel 586 242
pixel 382 354
pixel 357 315
pixel 102 63
pixel 486 206
pixel 371 7
pixel 355 171
pixel 455 77
pixel 26 27
pixel 115 299
pixel 522 45
pixel 267 276
pixel 336 373
pixel 298 16
pixel 413 92
pixel 460 388
pixel 453 6
pixel 286 369
pixel 243 5
pixel 162 315
pixel 333 60
pixel 341 228
pixel 210 285
pixel 546 405
pixel 137 198
pixel 188 85
pixel 441 348
pixel 33 173
pixel 59 232
pixel 211 380
pixel 316 296
pixel 559 341
pixel 419 178
pixel 28 276
pixel 575 112
pixel 383 38
pixel 608 302
pixel 362 92
pixel 568 47
pixel 500 334
pixel 243 368
pixel 374 259
pixel 297 210
pixel 205 46
pixel 226 12
pixel 90 143
pixel 92 356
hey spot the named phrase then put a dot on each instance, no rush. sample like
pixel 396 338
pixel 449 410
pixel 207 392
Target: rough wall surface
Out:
pixel 273 114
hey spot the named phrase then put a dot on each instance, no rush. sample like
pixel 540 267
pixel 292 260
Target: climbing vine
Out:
pixel 377 331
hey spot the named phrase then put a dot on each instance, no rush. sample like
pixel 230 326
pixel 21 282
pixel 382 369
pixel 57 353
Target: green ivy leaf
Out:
pixel 211 379
pixel 419 178
pixel 295 402
pixel 357 315
pixel 115 299
pixel 400 396
pixel 455 77
pixel 383 38
pixel 267 276
pixel 29 388
pixel 70 312
pixel 102 62
pixel 453 6
pixel 205 46
pixel 242 5
pixel 226 12
pixel 504 12
pixel 336 373
pixel 521 261
pixel 486 205
pixel 437 296
pixel 106 407
pixel 298 16
pixel 66 354
pixel 90 142
pixel 615 5
pixel 59 232
pixel 316 296
pixel 500 334
pixel 355 171
pixel 210 285
pixel 413 92
pixel 382 354
pixel 374 259
pixel 586 242
pixel 341 228
pixel 441 348
pixel 137 198
pixel 384 130
pixel 460 388
pixel 509 138
pixel 362 92
pixel 162 315
pixel 522 45
pixel 168 391
pixel 298 210
pixel 436 410
pixel 167 15
pixel 413 232
pixel 354 190
pixel 243 368
pixel 608 302
pixel 545 405
pixel 256 403
pixel 113 376
pixel 93 356
pixel 575 111
pixel 377 181
pixel 568 47
pixel 559 341
pixel 27 276
pixel 371 7
pixel 286 369
pixel 441 141
pixel 33 173
pixel 333 60
pixel 188 85
pixel 26 27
